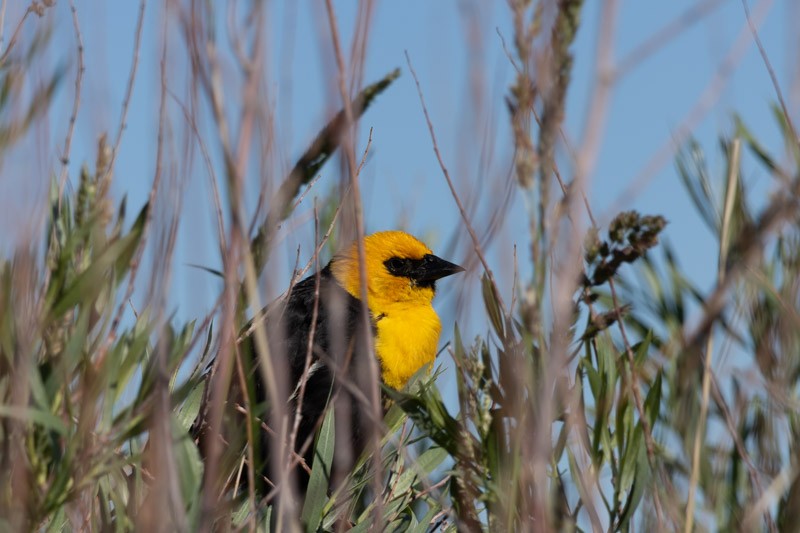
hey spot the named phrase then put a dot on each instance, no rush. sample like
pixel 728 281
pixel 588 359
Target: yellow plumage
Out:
pixel 407 326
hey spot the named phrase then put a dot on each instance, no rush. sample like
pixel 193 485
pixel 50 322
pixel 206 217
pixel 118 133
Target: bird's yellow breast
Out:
pixel 407 326
pixel 406 341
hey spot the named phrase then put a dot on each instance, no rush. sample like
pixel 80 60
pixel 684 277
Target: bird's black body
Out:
pixel 319 357
pixel 336 355
pixel 337 348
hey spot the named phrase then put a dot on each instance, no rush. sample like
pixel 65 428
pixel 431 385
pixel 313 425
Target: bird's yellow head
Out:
pixel 400 269
pixel 401 276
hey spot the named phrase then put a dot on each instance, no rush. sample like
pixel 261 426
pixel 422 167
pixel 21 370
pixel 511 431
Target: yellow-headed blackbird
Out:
pixel 401 283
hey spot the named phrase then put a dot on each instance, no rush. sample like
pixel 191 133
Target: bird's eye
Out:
pixel 397 266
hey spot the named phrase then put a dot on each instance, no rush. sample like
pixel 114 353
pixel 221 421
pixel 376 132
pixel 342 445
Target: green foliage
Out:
pixel 578 410
pixel 67 369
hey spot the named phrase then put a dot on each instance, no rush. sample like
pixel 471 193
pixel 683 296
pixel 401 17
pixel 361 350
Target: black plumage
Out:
pixel 337 355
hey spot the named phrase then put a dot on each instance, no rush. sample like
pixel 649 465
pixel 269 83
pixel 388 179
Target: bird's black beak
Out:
pixel 431 268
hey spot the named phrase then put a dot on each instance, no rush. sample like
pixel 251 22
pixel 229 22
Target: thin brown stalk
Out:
pixel 568 271
pixel 772 76
pixel 219 382
pixel 123 119
pixel 730 196
pixel 167 503
pixel 3 6
pixel 251 67
pixel 305 192
pixel 775 214
pixel 212 175
pixel 473 236
pixel 310 343
pixel 136 261
pixel 299 273
pixel 76 102
pixel 251 480
pixel 592 136
pixel 237 249
pixel 722 405
pixel 770 497
pixel 349 148
pixel 468 517
pixel 15 35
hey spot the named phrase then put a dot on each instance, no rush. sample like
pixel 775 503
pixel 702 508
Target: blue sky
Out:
pixel 465 75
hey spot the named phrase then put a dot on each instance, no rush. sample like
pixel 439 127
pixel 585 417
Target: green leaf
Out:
pixel 755 146
pixel 135 234
pixel 495 446
pixel 189 464
pixel 363 525
pixel 317 493
pixel 652 403
pixel 87 286
pixel 212 271
pixel 240 515
pixel 59 522
pixel 693 171
pixel 267 523
pixel 179 351
pixel 74 349
pixel 641 349
pixel 430 414
pixel 492 306
pixel 130 354
pixel 786 129
pixel 642 480
pixel 421 468
pixel 430 460
pixel 36 416
pixel 425 521
pixel 191 407
pixel 628 463
pixel 594 379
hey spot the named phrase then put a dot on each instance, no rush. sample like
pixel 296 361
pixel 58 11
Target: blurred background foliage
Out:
pixel 591 403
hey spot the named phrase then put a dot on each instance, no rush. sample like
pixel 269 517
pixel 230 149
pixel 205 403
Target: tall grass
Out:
pixel 609 392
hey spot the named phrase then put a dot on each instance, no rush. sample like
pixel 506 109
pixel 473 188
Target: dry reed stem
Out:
pixel 733 175
pixel 15 35
pixel 469 517
pixel 772 76
pixel 475 241
pixel 771 497
pixel 76 102
pixel 310 343
pixel 774 215
pixel 349 151
pixel 251 67
pixel 3 7
pixel 212 175
pixel 136 261
pixel 123 118
pixel 730 196
pixel 586 158
pixel 238 254
pixel 166 499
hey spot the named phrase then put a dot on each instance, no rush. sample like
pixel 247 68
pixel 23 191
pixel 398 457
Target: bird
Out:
pixel 316 339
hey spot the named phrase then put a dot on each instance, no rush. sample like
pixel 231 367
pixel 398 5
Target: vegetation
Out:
pixel 593 402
